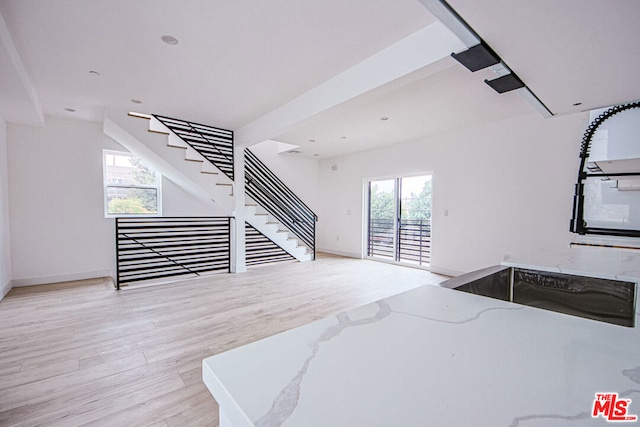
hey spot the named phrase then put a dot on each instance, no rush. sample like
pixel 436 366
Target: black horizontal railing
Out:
pixel 413 240
pixel 154 248
pixel 214 144
pixel 380 239
pixel 259 249
pixel 277 199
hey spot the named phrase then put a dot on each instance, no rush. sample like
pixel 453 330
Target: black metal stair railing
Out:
pixel 274 196
pixel 259 249
pixel 153 248
pixel 215 144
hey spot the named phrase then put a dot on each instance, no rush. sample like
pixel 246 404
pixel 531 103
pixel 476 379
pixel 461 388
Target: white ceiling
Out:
pixel 567 51
pixel 415 106
pixel 239 60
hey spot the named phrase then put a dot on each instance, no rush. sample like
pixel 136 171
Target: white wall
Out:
pixel 507 187
pixel 5 232
pixel 58 227
pixel 176 202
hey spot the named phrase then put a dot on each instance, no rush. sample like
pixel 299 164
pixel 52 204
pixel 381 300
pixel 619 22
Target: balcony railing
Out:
pixel 413 240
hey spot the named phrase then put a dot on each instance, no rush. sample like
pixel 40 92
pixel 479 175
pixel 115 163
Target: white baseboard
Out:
pixel 33 281
pixel 4 290
pixel 341 253
pixel 445 271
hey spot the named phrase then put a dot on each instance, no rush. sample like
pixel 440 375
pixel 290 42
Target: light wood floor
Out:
pixel 81 353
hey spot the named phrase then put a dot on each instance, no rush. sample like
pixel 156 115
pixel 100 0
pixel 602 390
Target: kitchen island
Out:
pixel 432 356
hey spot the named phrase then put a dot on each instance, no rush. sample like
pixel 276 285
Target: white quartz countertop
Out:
pixel 430 357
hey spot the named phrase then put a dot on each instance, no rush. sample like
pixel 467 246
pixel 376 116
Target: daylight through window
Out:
pixel 399 219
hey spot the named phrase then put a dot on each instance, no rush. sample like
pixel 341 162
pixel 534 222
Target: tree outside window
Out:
pixel 131 186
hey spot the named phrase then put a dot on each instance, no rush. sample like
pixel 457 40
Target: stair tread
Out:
pixel 140 115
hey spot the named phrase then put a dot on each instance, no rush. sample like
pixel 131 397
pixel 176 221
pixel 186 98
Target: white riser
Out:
pixel 274 232
pixel 190 153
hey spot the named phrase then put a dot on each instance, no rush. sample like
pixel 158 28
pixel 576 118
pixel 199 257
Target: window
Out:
pixel 399 220
pixel 130 186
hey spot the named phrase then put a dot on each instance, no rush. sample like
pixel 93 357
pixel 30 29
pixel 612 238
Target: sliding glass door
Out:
pixel 414 226
pixel 382 214
pixel 399 219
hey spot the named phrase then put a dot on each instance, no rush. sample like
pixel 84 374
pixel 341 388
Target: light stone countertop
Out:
pixel 430 357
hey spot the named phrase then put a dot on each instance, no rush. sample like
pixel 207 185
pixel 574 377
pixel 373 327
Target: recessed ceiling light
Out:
pixel 71 110
pixel 94 73
pixel 169 40
pixel 136 101
pixel 384 118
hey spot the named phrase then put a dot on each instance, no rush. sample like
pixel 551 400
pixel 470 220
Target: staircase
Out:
pixel 213 144
pixel 270 227
pixel 289 215
pixel 222 181
pixel 261 250
pixel 147 138
pixel 199 159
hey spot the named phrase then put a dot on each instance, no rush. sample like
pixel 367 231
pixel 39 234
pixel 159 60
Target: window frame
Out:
pixel 106 185
pixel 398 257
